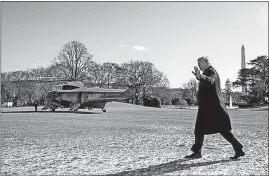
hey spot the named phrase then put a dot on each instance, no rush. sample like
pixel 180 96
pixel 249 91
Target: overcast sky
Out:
pixel 172 35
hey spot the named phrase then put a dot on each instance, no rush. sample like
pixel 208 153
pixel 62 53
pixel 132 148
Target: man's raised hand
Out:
pixel 196 72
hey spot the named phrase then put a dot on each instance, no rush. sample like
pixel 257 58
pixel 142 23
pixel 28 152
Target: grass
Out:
pixel 126 140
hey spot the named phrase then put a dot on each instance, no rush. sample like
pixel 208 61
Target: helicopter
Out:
pixel 74 95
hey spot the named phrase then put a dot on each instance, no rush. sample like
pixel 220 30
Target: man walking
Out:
pixel 212 114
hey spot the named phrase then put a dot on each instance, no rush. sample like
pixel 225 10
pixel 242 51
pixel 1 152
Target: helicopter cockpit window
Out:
pixel 69 87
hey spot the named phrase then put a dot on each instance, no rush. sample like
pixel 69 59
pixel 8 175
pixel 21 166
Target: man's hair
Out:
pixel 203 58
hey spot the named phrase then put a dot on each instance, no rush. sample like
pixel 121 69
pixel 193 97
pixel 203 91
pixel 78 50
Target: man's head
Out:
pixel 203 63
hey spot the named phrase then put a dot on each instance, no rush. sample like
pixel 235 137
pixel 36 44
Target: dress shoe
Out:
pixel 238 154
pixel 194 156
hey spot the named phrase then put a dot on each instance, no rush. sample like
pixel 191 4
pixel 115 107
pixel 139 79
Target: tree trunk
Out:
pixel 108 82
pixel 144 94
pixel 136 99
pixel 136 95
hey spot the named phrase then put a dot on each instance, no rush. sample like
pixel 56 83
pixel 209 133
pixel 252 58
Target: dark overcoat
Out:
pixel 212 116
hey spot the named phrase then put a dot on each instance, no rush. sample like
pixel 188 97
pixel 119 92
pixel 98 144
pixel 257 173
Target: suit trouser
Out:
pixel 199 140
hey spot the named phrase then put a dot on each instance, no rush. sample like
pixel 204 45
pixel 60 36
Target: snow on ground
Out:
pixel 126 140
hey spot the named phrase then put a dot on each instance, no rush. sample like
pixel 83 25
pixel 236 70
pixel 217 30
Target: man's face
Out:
pixel 202 65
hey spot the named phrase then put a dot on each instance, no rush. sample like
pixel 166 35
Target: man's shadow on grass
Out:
pixel 165 168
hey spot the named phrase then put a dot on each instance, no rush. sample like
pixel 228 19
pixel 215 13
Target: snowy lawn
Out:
pixel 126 140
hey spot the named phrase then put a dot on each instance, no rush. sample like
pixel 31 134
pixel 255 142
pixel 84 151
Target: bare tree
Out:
pixel 38 72
pixel 110 70
pixel 54 71
pixel 74 60
pixel 190 90
pixel 5 86
pixel 159 79
pixel 15 83
pixel 192 86
pixel 139 76
pixel 97 73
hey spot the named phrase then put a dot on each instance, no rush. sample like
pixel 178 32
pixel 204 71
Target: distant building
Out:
pixel 177 92
pixel 170 92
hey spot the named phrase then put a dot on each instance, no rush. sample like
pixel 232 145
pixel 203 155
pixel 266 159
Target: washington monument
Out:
pixel 243 65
